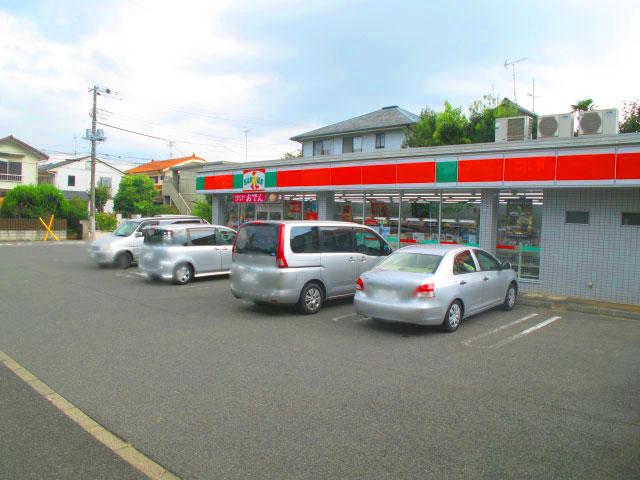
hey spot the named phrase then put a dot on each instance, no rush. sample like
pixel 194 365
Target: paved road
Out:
pixel 39 442
pixel 210 387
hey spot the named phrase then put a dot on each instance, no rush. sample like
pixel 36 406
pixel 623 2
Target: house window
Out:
pixel 576 217
pixel 11 171
pixel 351 144
pixel 71 180
pixel 321 147
pixel 379 140
pixel 155 179
pixel 4 167
pixel 357 144
pixel 105 181
pixel 631 218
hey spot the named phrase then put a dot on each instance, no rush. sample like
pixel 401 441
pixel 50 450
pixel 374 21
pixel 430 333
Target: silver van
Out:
pixel 182 252
pixel 302 262
pixel 122 247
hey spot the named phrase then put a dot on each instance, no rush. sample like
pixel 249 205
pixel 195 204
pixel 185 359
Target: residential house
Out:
pixel 73 176
pixel 377 131
pixel 157 170
pixel 18 163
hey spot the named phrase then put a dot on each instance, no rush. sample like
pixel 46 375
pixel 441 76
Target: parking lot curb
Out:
pixel 125 451
pixel 629 312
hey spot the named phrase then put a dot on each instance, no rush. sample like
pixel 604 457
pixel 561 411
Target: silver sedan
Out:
pixel 435 285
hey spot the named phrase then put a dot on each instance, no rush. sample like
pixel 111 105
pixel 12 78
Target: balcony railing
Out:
pixel 8 177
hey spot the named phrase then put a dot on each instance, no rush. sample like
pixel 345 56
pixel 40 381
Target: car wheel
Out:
pixel 311 298
pixel 124 260
pixel 453 317
pixel 182 274
pixel 510 298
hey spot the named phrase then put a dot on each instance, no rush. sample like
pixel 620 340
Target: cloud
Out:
pixel 155 53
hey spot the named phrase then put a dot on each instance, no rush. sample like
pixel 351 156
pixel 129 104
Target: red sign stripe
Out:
pixel 346 175
pixel 289 178
pixel 315 177
pixel 628 166
pixel 379 174
pixel 586 167
pixel 528 169
pixel 418 172
pixel 485 170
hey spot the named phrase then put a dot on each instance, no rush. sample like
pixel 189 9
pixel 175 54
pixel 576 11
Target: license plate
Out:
pixel 387 295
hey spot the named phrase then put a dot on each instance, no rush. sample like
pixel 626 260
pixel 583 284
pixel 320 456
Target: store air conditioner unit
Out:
pixel 599 122
pixel 555 126
pixel 513 129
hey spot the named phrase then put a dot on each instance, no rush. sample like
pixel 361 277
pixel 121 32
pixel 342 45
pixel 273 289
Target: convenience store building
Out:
pixel 565 212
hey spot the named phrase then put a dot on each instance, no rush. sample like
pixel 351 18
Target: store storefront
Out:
pixel 489 195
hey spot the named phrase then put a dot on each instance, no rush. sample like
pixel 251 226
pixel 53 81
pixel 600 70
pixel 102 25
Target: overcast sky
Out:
pixel 201 72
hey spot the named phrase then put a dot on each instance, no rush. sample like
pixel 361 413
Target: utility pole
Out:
pixel 92 198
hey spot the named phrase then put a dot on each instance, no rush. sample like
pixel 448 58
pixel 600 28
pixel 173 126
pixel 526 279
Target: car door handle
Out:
pixel 351 259
pixel 363 259
pixel 486 279
pixel 463 282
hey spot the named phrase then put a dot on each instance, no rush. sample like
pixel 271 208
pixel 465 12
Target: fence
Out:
pixel 14 224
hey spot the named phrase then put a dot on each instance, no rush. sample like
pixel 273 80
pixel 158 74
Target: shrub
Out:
pixel 135 195
pixel 76 211
pixel 106 222
pixel 33 201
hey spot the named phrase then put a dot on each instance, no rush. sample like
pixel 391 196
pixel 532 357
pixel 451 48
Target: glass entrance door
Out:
pixel 269 212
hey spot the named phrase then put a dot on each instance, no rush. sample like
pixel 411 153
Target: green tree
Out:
pixel 103 194
pixel 447 127
pixel 33 201
pixel 482 118
pixel 135 195
pixel 203 209
pixel 631 117
pixel 106 222
pixel 288 155
pixel 583 105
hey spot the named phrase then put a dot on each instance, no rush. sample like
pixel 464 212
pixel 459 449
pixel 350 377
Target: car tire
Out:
pixel 124 260
pixel 510 297
pixel 453 317
pixel 311 298
pixel 182 274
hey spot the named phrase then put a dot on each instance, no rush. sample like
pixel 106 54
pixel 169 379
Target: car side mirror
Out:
pixel 506 266
pixel 386 249
pixel 139 234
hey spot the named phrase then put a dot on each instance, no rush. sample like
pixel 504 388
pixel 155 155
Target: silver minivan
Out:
pixel 122 247
pixel 182 252
pixel 302 262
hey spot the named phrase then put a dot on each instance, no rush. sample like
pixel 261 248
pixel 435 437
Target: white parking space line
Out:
pixel 502 327
pixel 524 332
pixel 342 317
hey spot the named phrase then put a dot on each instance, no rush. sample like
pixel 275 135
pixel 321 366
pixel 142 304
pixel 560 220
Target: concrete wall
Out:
pixel 393 141
pixel 603 253
pixel 29 235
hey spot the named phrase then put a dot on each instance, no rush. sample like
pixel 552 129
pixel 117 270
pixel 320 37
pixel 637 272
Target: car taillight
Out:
pixel 359 285
pixel 427 290
pixel 281 261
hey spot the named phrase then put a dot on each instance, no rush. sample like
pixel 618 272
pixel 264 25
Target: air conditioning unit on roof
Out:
pixel 555 126
pixel 599 122
pixel 513 129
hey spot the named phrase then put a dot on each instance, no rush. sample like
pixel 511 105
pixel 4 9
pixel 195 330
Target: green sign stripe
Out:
pixel 199 183
pixel 237 180
pixel 447 172
pixel 271 179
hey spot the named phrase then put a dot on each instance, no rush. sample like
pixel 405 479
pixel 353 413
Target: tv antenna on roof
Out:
pixel 512 64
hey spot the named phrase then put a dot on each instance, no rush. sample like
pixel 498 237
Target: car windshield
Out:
pixel 411 262
pixel 257 238
pixel 126 228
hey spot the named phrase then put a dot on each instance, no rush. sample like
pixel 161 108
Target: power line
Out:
pixel 186 142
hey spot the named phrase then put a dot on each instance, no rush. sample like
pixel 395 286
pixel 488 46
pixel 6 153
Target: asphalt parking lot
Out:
pixel 211 387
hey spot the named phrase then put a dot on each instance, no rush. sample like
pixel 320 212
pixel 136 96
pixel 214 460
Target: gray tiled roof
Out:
pixel 387 117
